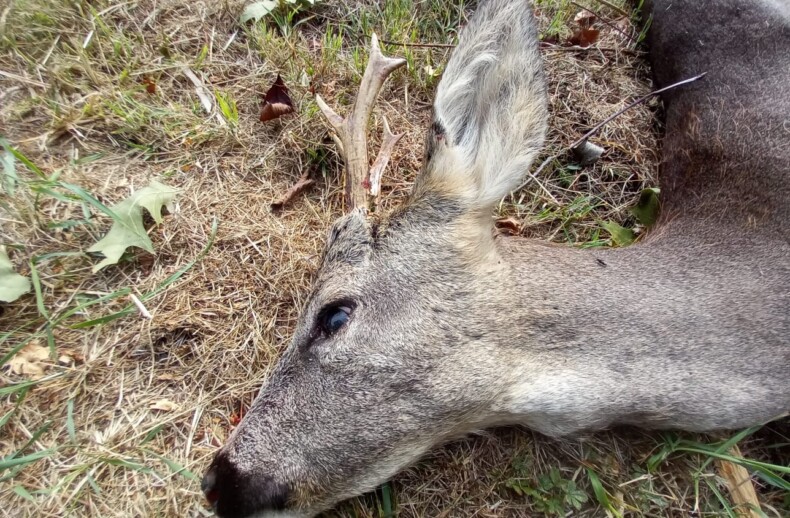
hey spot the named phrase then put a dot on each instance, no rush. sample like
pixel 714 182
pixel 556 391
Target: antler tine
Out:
pixel 382 159
pixel 352 131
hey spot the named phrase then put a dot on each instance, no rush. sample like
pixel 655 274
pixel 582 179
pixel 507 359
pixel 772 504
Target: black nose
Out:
pixel 234 493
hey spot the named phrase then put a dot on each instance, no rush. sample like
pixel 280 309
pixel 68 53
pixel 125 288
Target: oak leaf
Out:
pixel 127 229
pixel 12 285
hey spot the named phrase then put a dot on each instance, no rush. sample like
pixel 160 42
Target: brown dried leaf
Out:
pixel 624 24
pixel 277 102
pixel 584 18
pixel 30 361
pixel 165 405
pixel 150 86
pixel 510 226
pixel 550 40
pixel 303 183
pixel 584 37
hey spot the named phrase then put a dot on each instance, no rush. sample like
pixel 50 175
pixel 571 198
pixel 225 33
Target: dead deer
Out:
pixel 423 326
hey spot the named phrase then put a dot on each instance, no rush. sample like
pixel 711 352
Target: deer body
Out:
pixel 626 337
pixel 423 326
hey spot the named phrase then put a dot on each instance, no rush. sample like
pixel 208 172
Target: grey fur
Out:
pixel 453 330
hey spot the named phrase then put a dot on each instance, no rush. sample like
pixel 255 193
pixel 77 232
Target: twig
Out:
pixel 534 176
pixel 740 486
pixel 429 45
pixel 206 99
pixel 635 103
pixel 137 302
pixel 303 183
pixel 548 160
pixel 575 48
pixel 32 82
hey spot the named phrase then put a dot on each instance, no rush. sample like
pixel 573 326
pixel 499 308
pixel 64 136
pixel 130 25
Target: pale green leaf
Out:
pixel 621 236
pixel 9 180
pixel 24 493
pixel 12 285
pixel 646 209
pixel 257 10
pixel 228 107
pixel 127 229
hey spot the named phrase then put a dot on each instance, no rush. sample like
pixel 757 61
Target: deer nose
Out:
pixel 234 494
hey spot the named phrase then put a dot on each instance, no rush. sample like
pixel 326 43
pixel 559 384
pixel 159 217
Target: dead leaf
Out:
pixel 584 37
pixel 30 361
pixel 165 405
pixel 277 102
pixel 150 86
pixel 509 225
pixel 303 183
pixel 550 40
pixel 587 153
pixel 624 24
pixel 584 18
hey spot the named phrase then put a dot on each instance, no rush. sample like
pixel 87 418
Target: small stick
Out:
pixel 203 93
pixel 740 486
pixel 575 48
pixel 303 183
pixel 137 302
pixel 548 160
pixel 32 82
pixel 428 45
pixel 635 103
pixel 534 176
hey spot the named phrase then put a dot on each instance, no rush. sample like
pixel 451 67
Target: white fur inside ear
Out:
pixel 491 103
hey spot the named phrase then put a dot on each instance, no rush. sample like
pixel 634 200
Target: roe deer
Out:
pixel 423 326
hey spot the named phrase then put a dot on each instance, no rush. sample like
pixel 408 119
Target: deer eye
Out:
pixel 333 318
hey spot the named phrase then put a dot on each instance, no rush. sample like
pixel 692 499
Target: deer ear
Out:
pixel 490 110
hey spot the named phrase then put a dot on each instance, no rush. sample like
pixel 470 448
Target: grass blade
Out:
pixel 21 491
pixel 174 466
pixel 70 421
pixel 131 308
pixel 11 461
pixel 600 493
pixel 90 200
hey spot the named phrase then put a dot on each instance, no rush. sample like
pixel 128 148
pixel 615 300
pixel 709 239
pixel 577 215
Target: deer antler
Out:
pixel 362 185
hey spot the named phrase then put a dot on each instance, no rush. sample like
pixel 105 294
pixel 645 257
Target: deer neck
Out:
pixel 593 338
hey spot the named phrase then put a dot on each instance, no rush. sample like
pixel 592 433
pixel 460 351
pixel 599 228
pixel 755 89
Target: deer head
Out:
pixel 393 352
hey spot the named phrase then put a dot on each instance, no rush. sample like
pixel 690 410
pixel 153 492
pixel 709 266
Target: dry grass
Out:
pixel 73 99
